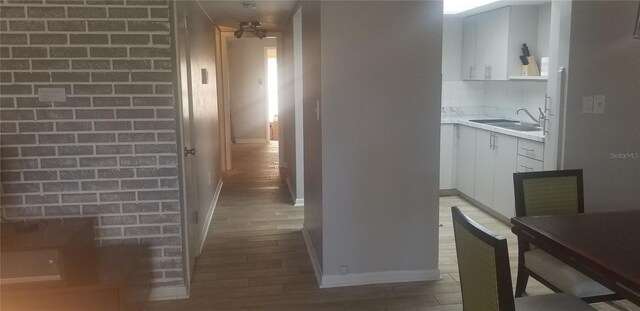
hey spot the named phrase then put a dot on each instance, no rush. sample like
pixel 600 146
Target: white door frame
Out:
pixel 179 96
pixel 224 143
pixel 226 103
pixel 298 126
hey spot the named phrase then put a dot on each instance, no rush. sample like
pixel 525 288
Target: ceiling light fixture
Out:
pixel 250 27
pixel 249 5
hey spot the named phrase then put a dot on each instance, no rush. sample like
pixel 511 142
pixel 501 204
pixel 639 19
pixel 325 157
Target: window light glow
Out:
pixel 459 6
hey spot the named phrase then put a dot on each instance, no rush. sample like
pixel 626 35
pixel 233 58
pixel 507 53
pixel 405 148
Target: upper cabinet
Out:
pixel 492 40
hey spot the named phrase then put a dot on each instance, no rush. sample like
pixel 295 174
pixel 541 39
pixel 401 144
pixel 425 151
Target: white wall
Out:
pixel 313 148
pixel 381 94
pixel 544 30
pixel 604 59
pixel 247 87
pixel 291 115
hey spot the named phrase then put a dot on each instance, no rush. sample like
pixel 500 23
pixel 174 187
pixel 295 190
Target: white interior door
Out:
pixel 191 196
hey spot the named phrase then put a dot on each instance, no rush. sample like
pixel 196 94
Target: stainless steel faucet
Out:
pixel 537 121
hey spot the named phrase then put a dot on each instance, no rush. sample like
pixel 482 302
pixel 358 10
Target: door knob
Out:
pixel 188 152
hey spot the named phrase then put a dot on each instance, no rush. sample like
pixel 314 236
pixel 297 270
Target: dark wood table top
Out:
pixel 604 246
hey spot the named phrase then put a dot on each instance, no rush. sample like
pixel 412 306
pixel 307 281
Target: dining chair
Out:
pixel 552 193
pixel 485 275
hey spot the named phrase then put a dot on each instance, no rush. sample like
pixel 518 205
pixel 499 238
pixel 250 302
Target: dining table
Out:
pixel 604 246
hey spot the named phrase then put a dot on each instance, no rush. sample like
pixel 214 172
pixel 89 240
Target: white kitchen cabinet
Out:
pixel 447 156
pixel 496 157
pixel 465 159
pixel 506 164
pixel 496 42
pixel 485 163
pixel 530 155
pixel 469 48
pixel 492 37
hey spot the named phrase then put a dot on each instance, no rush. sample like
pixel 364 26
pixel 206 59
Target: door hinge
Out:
pixel 186 22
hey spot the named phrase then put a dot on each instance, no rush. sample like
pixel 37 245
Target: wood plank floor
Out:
pixel 255 257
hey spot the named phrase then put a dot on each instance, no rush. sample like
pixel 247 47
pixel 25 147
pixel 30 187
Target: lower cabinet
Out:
pixel 506 163
pixel 465 159
pixel 447 156
pixel 481 163
pixel 496 157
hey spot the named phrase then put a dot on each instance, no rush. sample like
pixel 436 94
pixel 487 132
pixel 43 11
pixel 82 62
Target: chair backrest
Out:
pixel 483 263
pixel 548 193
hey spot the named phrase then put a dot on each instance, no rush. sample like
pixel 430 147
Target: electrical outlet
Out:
pixel 587 104
pixel 598 104
pixel 344 269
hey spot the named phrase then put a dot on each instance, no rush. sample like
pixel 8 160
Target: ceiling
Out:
pixel 274 15
pixel 227 14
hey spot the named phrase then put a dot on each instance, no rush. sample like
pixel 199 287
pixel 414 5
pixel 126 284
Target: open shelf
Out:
pixel 529 78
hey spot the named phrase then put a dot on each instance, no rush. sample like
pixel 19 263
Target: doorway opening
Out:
pixel 272 91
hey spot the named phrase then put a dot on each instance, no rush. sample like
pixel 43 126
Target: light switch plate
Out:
pixel 587 104
pixel 598 104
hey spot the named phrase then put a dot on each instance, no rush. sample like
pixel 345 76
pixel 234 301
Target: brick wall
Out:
pixel 109 151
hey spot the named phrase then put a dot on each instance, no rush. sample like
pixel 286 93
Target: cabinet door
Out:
pixel 485 162
pixel 506 149
pixel 466 160
pixel 446 156
pixel 499 48
pixel 492 38
pixel 469 48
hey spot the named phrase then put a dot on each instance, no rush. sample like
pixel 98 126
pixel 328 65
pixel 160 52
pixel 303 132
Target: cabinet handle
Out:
pixel 490 72
pixel 486 72
pixel 526 149
pixel 495 142
pixel 547 105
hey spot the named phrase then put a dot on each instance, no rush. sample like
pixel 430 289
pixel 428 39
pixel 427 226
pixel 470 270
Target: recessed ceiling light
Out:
pixel 249 5
pixel 459 6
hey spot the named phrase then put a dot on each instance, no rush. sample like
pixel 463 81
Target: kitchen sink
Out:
pixel 489 121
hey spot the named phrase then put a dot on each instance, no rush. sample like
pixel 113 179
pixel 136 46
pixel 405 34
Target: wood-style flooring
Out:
pixel 255 257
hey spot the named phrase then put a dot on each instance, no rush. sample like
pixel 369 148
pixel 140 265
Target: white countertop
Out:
pixel 464 120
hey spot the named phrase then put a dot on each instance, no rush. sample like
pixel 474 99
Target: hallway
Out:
pixel 255 258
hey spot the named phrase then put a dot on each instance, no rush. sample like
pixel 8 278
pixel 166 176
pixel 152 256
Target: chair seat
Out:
pixel 561 301
pixel 562 276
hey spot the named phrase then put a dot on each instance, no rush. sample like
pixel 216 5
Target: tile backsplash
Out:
pixel 492 98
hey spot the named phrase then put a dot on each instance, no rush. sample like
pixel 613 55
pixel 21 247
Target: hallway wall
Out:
pixel 206 130
pixel 381 94
pixel 371 140
pixel 247 87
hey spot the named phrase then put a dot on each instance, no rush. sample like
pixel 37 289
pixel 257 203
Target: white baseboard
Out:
pixel 379 278
pixel 168 293
pixel 296 201
pixel 250 141
pixel 312 254
pixel 328 281
pixel 207 220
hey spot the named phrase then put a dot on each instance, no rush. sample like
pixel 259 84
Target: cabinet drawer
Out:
pixel 528 165
pixel 531 149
